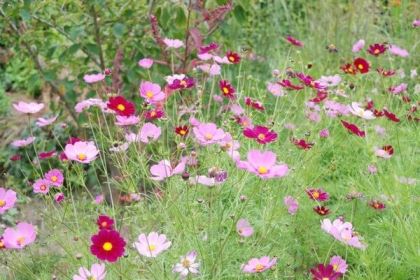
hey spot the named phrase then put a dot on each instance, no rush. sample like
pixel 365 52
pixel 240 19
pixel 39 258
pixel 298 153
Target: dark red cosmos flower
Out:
pixel 321 210
pixel 361 65
pixel 287 84
pixel 325 272
pixel 388 149
pixel 185 83
pixel 353 129
pixel 107 245
pixel 302 144
pixel 45 155
pixel 406 99
pixel 227 89
pixel 385 73
pixel 308 81
pixel 377 205
pixel 390 116
pixel 182 130
pixel 16 157
pixel 154 114
pixel 107 72
pixel 121 106
pixel 378 113
pixel 261 134
pixel 348 69
pixel 105 222
pixel 233 57
pixel 317 194
pixel 369 105
pixel 73 140
pixel 208 48
pixel 377 49
pixel 294 41
pixel 257 105
pixel 320 96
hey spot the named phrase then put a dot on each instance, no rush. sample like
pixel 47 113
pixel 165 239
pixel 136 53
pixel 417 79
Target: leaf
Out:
pixel 93 48
pixel 25 14
pixel 240 14
pixel 73 49
pixel 118 29
pixel 180 18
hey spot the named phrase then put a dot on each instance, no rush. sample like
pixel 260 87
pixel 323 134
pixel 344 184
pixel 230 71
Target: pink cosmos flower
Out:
pixel 55 177
pixel 275 89
pixel 329 81
pixel 416 23
pixel 236 109
pixel 208 133
pixel 359 111
pixel 380 130
pixel 99 199
pixel 164 169
pixel 243 228
pixel 146 63
pixel 93 78
pixel 263 164
pixel 395 50
pixel 28 108
pixel 291 204
pixel 96 272
pixel 385 152
pixel 358 46
pixel 256 265
pixel 151 92
pixel 7 200
pixel 342 231
pixel 339 264
pixel 19 237
pixel 41 122
pixel 187 265
pixel 41 186
pixel 82 151
pixel 334 109
pixel 59 197
pixel 211 69
pixel 398 89
pixel 149 131
pixel 372 169
pixel 173 43
pixel 23 142
pixel 152 245
pixel 324 133
pixel 127 121
pixel 261 134
pixel 86 104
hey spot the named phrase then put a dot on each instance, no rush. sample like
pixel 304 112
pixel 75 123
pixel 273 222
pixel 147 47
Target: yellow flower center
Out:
pixel 153 113
pixel 261 136
pixel 376 51
pixel 360 66
pixel 107 246
pixel 104 224
pixel 183 83
pixel 149 94
pixel 121 107
pixel 259 267
pixel 152 247
pixel 91 278
pixel 54 178
pixel 2 202
pixel 182 132
pixel 208 136
pixel 325 278
pixel 81 156
pixel 231 58
pixel 315 194
pixel 335 267
pixel 20 240
pixel 225 90
pixel 186 263
pixel 262 170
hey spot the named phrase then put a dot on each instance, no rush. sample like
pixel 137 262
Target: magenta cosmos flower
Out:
pixel 187 265
pixel 263 164
pixel 243 228
pixel 107 245
pixel 151 92
pixel 339 264
pixel 82 151
pixel 164 169
pixel 55 176
pixel 41 122
pixel 261 134
pixel 256 265
pixel 23 142
pixel 324 272
pixel 208 133
pixel 28 108
pixel 343 232
pixel 93 78
pixel 96 272
pixel 152 245
pixel 291 204
pixel 19 237
pixel 7 199
pixel 317 194
pixel 146 63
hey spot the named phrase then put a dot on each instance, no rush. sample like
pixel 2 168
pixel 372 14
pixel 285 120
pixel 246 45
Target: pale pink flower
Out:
pixel 221 60
pixel 243 228
pixel 256 265
pixel 263 164
pixel 236 109
pixel 416 23
pixel 217 98
pixel 187 265
pixel 275 89
pixel 23 142
pixel 204 56
pixel 329 81
pixel 93 78
pixel 146 63
pixel 99 199
pixel 171 79
pixel 395 50
pixel 342 231
pixel 204 180
pixel 28 108
pixel 313 116
pixel 86 104
pixel 152 245
pixel 338 264
pixel 379 152
pixel 208 133
pixel 211 69
pixel 380 130
pixel 164 169
pixel 96 272
pixel 359 111
pixel 151 92
pixel 358 46
pixel 334 109
pixel 289 126
pixel 59 197
pixel 398 89
pixel 149 132
pixel 194 122
pixel 41 122
pixel 127 121
pixel 372 169
pixel 324 133
pixel 41 186
pixel 19 237
pixel 7 199
pixel 55 176
pixel 81 151
pixel 291 204
pixel 173 43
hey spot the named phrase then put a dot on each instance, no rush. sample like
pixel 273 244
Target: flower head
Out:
pixel 187 265
pixel 317 194
pixel 19 237
pixel 121 106
pixel 243 228
pixel 182 130
pixel 343 232
pixel 263 164
pixel 164 169
pixel 152 245
pixel 361 65
pixel 291 204
pixel 173 43
pixel 261 134
pixel 146 63
pixel 105 222
pixel 258 265
pixel 385 152
pixel 339 264
pixel 208 133
pixel 28 108
pixel 294 41
pixel 107 245
pixel 41 122
pixel 377 205
pixel 227 89
pixel 55 176
pixel 377 49
pixel 321 210
pixel 96 272
pixel 325 272
pixel 151 92
pixel 395 50
pixel 233 57
pixel 93 78
pixel 353 128
pixel 358 46
pixel 7 199
pixel 357 110
pixel 83 152
pixel 302 144
pixel 41 186
pixel 23 142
